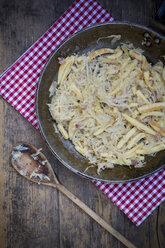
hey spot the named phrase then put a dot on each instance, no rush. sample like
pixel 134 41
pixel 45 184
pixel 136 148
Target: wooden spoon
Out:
pixel 33 165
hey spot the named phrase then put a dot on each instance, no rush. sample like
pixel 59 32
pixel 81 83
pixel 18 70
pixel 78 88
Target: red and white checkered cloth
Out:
pixel 18 84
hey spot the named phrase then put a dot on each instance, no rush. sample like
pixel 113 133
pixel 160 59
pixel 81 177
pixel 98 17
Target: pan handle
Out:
pixel 160 15
pixel 158 24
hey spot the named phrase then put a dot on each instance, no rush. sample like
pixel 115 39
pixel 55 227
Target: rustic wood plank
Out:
pixel 25 215
pixel 161 226
pixel 36 216
pixel 141 12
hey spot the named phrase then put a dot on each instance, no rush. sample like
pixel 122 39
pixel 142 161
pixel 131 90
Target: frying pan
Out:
pixel 153 44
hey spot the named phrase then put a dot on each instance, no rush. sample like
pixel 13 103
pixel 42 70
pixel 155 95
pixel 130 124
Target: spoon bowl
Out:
pixel 32 164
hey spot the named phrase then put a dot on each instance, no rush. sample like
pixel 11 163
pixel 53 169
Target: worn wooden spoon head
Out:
pixel 31 163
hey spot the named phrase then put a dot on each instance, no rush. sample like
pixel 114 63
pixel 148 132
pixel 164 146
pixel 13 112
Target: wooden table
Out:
pixel 36 216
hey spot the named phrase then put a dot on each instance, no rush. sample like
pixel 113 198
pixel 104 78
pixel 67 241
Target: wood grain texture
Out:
pixel 36 216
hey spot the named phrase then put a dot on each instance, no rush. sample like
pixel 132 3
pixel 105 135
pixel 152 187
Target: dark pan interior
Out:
pixel 84 41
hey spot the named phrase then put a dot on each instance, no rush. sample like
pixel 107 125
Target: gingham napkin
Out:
pixel 18 84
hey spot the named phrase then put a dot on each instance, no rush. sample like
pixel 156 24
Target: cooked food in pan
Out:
pixel 111 104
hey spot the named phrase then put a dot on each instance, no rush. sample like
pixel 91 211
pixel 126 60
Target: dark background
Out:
pixel 37 216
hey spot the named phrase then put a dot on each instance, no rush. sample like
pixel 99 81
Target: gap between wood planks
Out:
pixel 2 229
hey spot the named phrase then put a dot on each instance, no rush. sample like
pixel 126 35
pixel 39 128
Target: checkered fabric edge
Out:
pixel 139 198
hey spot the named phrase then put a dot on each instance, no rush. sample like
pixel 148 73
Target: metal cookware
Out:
pixel 153 44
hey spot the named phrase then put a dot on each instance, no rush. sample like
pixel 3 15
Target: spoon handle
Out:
pixel 93 215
